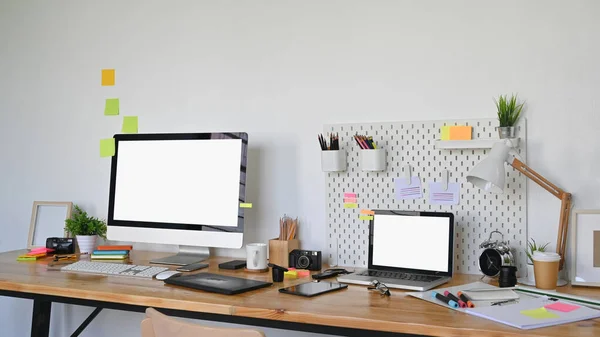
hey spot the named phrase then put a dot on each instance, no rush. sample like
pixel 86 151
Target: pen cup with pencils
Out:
pixel 373 160
pixel 333 159
pixel 280 247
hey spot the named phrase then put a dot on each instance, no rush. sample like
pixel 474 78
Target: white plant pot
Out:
pixel 86 243
pixel 530 273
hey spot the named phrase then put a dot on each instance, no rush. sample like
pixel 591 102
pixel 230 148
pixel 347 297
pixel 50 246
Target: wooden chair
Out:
pixel 158 325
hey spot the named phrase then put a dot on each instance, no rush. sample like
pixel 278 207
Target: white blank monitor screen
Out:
pixel 413 242
pixel 194 182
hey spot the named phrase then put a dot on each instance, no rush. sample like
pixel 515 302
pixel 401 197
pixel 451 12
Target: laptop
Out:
pixel 408 250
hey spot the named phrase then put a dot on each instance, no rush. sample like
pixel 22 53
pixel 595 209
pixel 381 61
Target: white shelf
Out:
pixel 472 144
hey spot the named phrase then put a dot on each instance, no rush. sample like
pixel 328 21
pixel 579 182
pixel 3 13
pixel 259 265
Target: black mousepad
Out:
pixel 311 289
pixel 216 283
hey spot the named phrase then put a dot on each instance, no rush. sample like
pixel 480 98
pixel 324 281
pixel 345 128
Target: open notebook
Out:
pixel 535 313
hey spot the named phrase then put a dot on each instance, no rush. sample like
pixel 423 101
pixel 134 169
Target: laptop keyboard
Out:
pixel 400 276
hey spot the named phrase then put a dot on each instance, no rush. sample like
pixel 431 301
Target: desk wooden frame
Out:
pixel 351 312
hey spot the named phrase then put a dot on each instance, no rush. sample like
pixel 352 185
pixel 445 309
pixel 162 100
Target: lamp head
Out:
pixel 489 174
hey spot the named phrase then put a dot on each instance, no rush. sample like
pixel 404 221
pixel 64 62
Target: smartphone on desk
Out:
pixel 192 267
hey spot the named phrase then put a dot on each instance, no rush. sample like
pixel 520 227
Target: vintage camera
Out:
pixel 305 259
pixel 61 245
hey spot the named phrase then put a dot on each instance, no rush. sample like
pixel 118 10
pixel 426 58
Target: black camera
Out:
pixel 61 245
pixel 305 259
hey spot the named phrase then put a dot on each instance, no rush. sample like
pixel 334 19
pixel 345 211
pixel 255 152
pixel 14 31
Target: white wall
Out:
pixel 280 70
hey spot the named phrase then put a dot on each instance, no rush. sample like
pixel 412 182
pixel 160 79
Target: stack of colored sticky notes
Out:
pixel 300 272
pixel 35 254
pixel 350 200
pixel 458 132
pixel 111 252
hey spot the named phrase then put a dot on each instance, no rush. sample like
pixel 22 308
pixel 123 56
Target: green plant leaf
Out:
pixel 509 110
pixel 83 224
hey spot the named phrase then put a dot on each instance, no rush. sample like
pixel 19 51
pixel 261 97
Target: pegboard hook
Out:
pixel 445 175
pixel 408 174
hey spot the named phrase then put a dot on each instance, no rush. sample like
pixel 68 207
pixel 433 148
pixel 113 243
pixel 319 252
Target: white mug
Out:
pixel 256 256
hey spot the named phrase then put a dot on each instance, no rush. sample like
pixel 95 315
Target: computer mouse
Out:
pixel 166 274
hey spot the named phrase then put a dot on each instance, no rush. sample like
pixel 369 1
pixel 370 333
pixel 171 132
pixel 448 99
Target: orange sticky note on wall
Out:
pixel 108 77
pixel 461 132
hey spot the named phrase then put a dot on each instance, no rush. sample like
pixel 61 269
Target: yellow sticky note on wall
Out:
pixel 246 205
pixel 111 108
pixel 107 147
pixel 366 217
pixel 445 133
pixel 108 77
pixel 460 132
pixel 130 124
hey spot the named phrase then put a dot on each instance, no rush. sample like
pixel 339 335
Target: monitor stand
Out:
pixel 187 255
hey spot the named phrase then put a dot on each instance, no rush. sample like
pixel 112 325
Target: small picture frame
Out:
pixel 585 248
pixel 47 220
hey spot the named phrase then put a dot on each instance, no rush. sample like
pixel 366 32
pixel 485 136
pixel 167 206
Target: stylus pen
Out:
pixel 466 299
pixel 444 299
pixel 460 302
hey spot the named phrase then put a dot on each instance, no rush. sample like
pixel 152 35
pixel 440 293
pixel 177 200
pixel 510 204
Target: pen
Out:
pixel 505 302
pixel 466 299
pixel 444 299
pixel 460 302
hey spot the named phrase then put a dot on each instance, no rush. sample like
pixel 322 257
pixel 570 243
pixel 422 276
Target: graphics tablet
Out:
pixel 311 289
pixel 216 283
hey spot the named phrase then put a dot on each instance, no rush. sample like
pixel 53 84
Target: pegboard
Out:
pixel 413 143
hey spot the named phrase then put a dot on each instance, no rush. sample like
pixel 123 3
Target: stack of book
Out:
pixel 111 253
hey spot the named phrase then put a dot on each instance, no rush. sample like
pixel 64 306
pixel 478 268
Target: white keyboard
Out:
pixel 117 269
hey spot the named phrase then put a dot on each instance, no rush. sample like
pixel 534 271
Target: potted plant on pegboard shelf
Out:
pixel 531 248
pixel 509 112
pixel 86 230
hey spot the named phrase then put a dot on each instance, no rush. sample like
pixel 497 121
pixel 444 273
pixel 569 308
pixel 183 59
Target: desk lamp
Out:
pixel 489 175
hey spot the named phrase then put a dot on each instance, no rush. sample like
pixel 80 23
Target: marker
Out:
pixel 461 303
pixel 444 299
pixel 466 299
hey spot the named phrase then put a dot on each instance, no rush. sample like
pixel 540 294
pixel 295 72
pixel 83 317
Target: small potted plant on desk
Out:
pixel 531 248
pixel 508 115
pixel 86 230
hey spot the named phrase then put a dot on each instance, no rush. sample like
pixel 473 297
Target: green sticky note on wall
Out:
pixel 130 124
pixel 107 147
pixel 111 108
pixel 445 133
pixel 350 205
pixel 366 217
pixel 246 205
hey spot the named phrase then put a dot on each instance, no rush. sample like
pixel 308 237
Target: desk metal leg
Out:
pixel 40 322
pixel 86 322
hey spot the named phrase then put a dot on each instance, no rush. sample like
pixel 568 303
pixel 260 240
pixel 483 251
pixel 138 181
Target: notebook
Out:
pixel 536 313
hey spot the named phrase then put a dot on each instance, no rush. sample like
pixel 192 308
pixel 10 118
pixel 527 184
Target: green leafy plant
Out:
pixel 508 110
pixel 83 224
pixel 532 247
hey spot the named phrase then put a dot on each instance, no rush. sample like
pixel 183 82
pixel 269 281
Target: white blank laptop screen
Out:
pixel 414 242
pixel 179 181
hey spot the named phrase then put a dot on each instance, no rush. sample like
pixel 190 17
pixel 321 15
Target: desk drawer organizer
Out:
pixel 413 143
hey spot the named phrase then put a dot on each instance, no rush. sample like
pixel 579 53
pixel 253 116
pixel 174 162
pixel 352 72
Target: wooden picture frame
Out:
pixel 48 220
pixel 585 248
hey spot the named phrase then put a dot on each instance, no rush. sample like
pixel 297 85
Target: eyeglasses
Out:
pixel 383 289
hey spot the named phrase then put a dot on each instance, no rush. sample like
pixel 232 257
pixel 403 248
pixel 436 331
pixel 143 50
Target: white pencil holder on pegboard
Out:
pixel 333 161
pixel 373 160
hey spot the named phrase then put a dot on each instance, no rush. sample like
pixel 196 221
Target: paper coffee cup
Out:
pixel 545 268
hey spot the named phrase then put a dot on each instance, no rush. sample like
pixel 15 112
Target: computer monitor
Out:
pixel 182 189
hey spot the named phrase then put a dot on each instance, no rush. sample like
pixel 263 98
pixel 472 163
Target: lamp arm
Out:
pixel 565 204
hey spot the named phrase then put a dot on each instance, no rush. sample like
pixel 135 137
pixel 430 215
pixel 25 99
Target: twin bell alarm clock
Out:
pixel 495 254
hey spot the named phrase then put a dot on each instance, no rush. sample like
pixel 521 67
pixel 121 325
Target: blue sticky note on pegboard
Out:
pixel 405 190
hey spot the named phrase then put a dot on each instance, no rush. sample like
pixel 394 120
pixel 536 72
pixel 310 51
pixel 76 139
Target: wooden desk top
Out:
pixel 355 307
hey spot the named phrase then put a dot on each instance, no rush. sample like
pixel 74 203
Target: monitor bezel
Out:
pixel 448 215
pixel 179 136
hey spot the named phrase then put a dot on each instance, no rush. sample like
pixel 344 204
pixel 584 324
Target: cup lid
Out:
pixel 545 256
